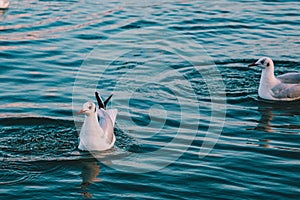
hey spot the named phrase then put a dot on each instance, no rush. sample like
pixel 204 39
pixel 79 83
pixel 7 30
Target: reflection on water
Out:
pixel 90 172
pixel 44 43
pixel 265 120
pixel 2 12
pixel 91 168
pixel 264 143
pixel 277 118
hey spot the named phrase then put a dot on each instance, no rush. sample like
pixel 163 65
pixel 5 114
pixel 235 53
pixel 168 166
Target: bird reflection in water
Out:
pixel 91 168
pixel 265 124
pixel 90 171
pixel 2 12
pixel 267 116
pixel 272 117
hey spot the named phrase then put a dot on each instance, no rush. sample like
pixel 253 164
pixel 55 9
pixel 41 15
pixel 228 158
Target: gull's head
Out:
pixel 264 63
pixel 88 108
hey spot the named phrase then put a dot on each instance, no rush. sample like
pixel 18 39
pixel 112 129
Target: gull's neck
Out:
pixel 267 82
pixel 90 120
pixel 92 117
pixel 88 132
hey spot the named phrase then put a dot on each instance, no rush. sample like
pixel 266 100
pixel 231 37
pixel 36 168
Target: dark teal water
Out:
pixel 190 123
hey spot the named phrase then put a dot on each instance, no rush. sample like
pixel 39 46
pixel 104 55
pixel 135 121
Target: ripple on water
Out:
pixel 29 144
pixel 32 147
pixel 15 172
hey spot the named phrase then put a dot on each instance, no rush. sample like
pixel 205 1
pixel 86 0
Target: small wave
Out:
pixel 15 172
pixel 251 60
pixel 32 137
pixel 34 121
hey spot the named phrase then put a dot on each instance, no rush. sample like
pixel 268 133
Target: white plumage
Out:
pixel 285 87
pixel 97 132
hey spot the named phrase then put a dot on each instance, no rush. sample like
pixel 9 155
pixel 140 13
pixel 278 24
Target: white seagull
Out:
pixel 4 4
pixel 285 87
pixel 97 132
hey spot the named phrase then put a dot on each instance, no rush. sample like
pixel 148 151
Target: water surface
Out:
pixel 178 71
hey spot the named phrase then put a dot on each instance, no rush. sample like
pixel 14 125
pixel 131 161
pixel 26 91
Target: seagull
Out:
pixel 285 87
pixel 97 132
pixel 4 4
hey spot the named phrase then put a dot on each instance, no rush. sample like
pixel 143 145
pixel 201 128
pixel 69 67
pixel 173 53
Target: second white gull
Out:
pixel 285 87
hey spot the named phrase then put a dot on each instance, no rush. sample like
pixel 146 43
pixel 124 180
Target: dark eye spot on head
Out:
pixel 268 64
pixel 90 107
pixel 263 61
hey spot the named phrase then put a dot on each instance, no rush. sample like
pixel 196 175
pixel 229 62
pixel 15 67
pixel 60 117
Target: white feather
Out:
pixel 285 87
pixel 97 132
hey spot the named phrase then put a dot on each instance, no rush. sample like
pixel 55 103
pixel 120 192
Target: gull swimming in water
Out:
pixel 97 132
pixel 285 87
pixel 4 4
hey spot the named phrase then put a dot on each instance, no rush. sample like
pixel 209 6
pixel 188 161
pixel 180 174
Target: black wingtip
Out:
pixel 99 100
pixel 107 100
pixel 102 104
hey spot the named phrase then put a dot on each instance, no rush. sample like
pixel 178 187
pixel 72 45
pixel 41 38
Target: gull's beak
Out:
pixel 80 112
pixel 253 64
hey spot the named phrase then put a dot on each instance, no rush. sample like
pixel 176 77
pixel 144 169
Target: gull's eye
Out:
pixel 268 64
pixel 90 107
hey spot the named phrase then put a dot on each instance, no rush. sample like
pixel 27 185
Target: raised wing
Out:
pixel 113 115
pixel 106 124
